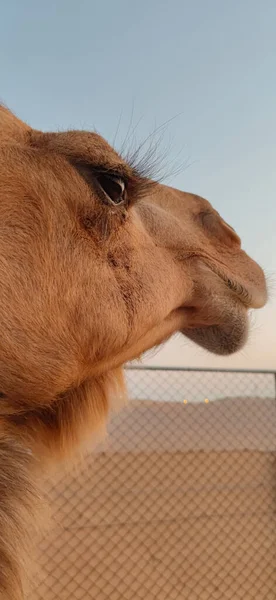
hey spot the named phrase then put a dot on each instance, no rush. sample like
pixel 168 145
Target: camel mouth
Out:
pixel 221 326
pixel 221 323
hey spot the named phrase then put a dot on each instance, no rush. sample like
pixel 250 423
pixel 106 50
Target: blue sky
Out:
pixel 206 68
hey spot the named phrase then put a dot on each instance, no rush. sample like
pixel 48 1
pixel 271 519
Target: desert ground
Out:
pixel 178 504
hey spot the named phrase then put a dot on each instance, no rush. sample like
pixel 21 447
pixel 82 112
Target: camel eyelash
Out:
pixel 133 179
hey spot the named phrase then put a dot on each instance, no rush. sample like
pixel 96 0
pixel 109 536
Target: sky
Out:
pixel 202 73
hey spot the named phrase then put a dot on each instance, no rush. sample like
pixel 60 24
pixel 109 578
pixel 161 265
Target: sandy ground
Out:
pixel 150 519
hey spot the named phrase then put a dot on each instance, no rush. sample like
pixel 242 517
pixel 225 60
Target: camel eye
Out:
pixel 113 187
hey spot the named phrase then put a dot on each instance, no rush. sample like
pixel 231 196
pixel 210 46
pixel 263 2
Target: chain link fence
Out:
pixel 179 503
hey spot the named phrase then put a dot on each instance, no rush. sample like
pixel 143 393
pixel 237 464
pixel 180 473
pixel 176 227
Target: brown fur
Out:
pixel 87 286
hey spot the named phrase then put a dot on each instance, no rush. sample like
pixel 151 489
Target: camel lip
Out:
pixel 250 298
pixel 221 339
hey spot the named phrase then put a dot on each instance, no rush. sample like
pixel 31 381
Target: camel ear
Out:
pixel 11 128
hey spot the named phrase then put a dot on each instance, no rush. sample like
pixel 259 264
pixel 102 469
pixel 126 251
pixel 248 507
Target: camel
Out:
pixel 98 264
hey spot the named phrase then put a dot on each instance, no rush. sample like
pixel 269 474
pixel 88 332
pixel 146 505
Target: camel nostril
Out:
pixel 217 227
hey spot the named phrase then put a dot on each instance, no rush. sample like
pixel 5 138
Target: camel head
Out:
pixel 99 264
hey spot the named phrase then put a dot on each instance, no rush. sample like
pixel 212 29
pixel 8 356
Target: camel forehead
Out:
pixel 93 149
pixel 85 146
pixel 71 143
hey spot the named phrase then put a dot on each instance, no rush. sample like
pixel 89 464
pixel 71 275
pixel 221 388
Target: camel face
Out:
pixel 99 264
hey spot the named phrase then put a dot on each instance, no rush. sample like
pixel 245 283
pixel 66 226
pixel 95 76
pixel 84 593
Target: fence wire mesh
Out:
pixel 179 503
